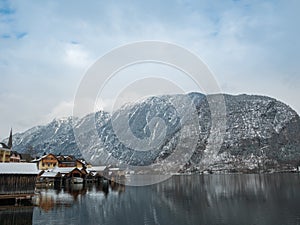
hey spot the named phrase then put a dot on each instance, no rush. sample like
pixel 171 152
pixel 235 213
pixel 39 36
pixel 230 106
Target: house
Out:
pixel 18 157
pixel 69 161
pixel 15 156
pixel 47 162
pixel 4 153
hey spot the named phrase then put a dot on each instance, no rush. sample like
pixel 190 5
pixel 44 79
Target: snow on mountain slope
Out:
pixel 260 132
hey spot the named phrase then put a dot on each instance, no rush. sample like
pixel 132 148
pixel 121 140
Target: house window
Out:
pixel 54 164
pixel 43 164
pixel 48 164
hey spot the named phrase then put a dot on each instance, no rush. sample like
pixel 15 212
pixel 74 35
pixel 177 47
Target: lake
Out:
pixel 196 199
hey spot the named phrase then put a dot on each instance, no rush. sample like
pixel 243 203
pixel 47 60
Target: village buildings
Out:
pixel 48 170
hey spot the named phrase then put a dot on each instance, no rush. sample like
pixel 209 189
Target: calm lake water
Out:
pixel 198 199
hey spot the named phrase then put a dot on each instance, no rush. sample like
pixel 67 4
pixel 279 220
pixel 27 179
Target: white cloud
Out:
pixel 63 109
pixel 76 56
pixel 252 47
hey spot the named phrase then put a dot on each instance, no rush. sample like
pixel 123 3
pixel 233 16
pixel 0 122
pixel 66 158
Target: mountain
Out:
pixel 198 132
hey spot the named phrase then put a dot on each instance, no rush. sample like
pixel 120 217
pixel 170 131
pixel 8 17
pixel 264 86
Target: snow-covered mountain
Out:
pixel 259 133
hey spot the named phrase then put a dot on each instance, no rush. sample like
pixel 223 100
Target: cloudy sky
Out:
pixel 47 46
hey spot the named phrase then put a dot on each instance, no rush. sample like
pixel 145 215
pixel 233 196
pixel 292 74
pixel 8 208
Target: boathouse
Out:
pixel 48 179
pixel 99 172
pixel 69 173
pixel 17 179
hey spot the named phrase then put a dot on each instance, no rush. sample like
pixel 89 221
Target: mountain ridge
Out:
pixel 261 134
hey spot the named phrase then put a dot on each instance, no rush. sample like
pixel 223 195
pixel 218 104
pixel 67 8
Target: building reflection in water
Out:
pixel 206 199
pixel 211 199
pixel 16 215
pixel 48 200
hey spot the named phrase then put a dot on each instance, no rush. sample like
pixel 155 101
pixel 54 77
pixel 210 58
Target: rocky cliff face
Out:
pixel 260 134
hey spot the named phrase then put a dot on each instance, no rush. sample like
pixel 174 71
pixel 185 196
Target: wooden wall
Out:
pixel 17 184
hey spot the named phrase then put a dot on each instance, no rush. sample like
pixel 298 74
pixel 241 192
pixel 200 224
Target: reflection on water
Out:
pixel 198 199
pixel 48 199
pixel 20 215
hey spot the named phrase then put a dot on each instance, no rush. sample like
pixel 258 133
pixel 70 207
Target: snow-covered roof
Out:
pixel 44 156
pixel 97 168
pixel 18 168
pixel 49 174
pixel 114 169
pixel 94 173
pixel 3 148
pixel 63 170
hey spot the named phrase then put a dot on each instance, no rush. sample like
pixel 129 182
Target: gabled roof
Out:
pixel 19 168
pixel 15 153
pixel 4 146
pixel 44 156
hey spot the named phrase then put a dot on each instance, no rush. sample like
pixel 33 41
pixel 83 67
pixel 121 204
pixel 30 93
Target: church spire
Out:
pixel 9 144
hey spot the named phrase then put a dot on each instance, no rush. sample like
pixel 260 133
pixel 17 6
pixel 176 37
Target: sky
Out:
pixel 46 47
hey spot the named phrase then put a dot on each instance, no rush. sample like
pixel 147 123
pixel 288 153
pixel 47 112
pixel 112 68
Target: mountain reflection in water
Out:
pixel 197 199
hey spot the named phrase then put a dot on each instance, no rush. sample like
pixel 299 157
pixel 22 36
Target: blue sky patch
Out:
pixel 20 35
pixel 5 36
pixel 5 9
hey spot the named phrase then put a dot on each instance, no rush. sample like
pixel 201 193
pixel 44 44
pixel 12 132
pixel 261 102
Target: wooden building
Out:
pixel 17 179
pixel 77 173
pixel 50 161
pixel 69 161
pixel 71 174
pixel 47 179
pixel 99 173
